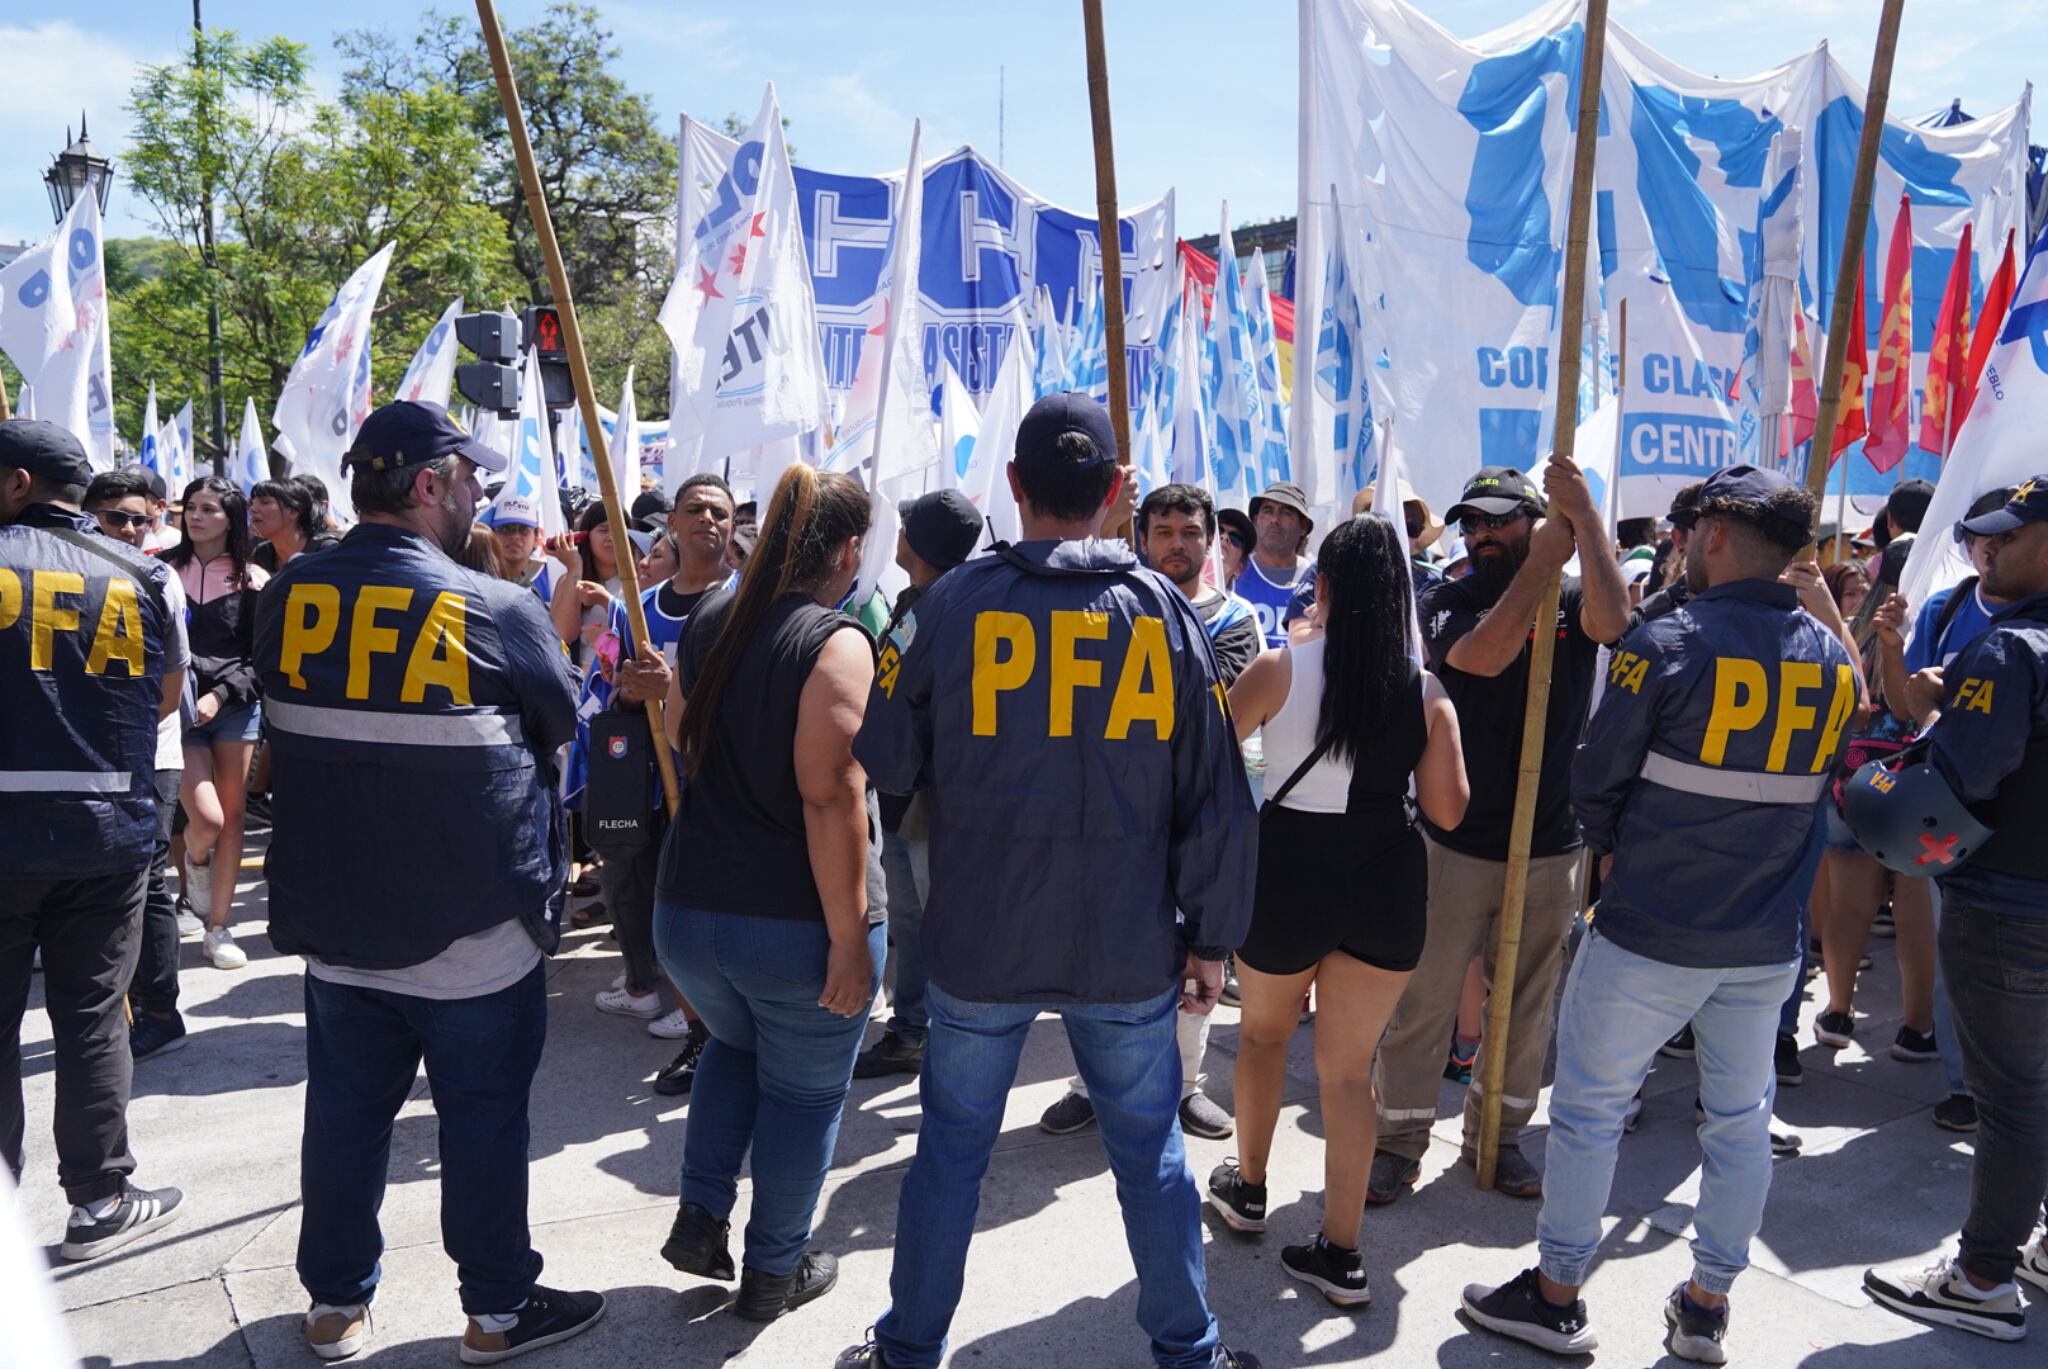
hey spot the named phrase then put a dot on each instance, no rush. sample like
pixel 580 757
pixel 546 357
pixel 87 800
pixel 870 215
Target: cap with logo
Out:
pixel 411 432
pixel 941 527
pixel 2027 504
pixel 1285 494
pixel 1751 485
pixel 44 450
pixel 1497 491
pixel 1056 416
pixel 513 511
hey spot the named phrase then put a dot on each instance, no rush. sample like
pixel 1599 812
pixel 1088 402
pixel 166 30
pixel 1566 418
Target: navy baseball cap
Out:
pixel 44 450
pixel 1499 491
pixel 1752 485
pixel 411 432
pixel 1054 417
pixel 942 527
pixel 2027 504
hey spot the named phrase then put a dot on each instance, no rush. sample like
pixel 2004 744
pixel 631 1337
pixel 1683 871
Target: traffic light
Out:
pixel 541 331
pixel 492 381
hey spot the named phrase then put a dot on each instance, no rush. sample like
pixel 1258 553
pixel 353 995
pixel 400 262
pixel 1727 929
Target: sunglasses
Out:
pixel 116 518
pixel 1474 522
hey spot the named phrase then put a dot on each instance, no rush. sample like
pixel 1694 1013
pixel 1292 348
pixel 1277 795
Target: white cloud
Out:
pixel 710 43
pixel 55 69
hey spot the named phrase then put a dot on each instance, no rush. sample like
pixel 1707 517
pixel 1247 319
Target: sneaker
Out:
pixel 190 928
pixel 2033 1266
pixel 619 980
pixel 1785 1060
pixel 678 1074
pixel 1232 996
pixel 1784 1144
pixel 1957 1112
pixel 1392 1175
pixel 549 1316
pixel 893 1054
pixel 1458 1068
pixel 866 1355
pixel 1203 1116
pixel 1519 1309
pixel 1834 1029
pixel 199 888
pixel 1696 1332
pixel 140 1211
pixel 1241 1205
pixel 673 1025
pixel 1068 1115
pixel 1227 1358
pixel 626 1003
pixel 1339 1274
pixel 1940 1294
pixel 1915 1048
pixel 1632 1115
pixel 764 1297
pixel 1681 1046
pixel 338 1332
pixel 1882 925
pixel 1513 1175
pixel 153 1035
pixel 698 1244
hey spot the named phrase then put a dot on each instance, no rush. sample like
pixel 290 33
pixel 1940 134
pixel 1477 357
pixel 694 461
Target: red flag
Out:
pixel 1947 354
pixel 1805 394
pixel 1997 300
pixel 1855 421
pixel 1892 393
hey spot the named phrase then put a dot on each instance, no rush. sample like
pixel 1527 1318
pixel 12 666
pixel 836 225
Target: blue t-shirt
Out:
pixel 1271 601
pixel 1965 627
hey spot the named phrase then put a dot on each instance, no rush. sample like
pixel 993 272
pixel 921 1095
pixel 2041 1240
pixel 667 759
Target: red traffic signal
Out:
pixel 541 330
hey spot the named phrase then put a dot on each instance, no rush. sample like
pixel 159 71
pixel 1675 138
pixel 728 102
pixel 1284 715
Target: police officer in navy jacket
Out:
pixel 417 861
pixel 83 684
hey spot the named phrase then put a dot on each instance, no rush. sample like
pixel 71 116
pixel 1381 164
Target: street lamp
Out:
pixel 78 168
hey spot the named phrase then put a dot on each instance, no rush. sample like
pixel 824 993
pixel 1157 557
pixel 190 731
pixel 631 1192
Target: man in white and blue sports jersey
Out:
pixel 1276 565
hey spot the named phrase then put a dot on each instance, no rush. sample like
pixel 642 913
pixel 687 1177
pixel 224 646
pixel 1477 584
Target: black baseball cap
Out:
pixel 1499 491
pixel 942 527
pixel 1752 485
pixel 1239 522
pixel 1287 495
pixel 44 450
pixel 1055 416
pixel 412 432
pixel 2027 504
pixel 1908 503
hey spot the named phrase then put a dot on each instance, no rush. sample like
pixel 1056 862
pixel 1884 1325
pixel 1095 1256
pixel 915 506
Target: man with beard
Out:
pixel 1477 635
pixel 414 710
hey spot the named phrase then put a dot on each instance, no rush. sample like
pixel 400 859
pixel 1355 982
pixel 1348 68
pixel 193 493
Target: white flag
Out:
pixel 174 450
pixel 53 323
pixel 625 446
pixel 327 396
pixel 252 466
pixel 146 451
pixel 1007 404
pixel 534 474
pixel 433 366
pixel 959 426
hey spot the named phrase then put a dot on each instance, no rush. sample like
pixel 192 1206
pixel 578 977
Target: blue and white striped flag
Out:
pixel 1272 424
pixel 252 465
pixel 1233 384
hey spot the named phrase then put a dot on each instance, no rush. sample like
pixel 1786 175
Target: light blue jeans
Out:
pixel 1618 1008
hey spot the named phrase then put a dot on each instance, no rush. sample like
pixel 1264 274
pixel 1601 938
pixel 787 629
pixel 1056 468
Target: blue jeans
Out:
pixel 1618 1008
pixel 906 864
pixel 1128 1055
pixel 363 1051
pixel 774 1074
pixel 1946 1041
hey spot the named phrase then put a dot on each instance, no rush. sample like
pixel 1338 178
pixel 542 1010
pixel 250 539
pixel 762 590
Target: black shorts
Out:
pixel 1333 882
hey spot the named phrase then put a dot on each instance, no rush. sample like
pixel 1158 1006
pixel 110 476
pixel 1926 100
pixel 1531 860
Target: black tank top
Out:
pixel 1382 773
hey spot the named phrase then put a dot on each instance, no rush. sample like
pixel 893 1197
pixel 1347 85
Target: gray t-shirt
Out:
pixel 481 963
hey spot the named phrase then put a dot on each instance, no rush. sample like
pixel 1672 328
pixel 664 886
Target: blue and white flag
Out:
pixel 252 464
pixel 1049 341
pixel 147 453
pixel 625 443
pixel 1272 429
pixel 432 370
pixel 1340 378
pixel 327 395
pixel 174 450
pixel 1192 424
pixel 1233 384
pixel 53 324
pixel 959 426
pixel 534 474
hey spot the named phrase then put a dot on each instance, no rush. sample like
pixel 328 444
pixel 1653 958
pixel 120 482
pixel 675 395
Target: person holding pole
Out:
pixel 1698 787
pixel 1477 635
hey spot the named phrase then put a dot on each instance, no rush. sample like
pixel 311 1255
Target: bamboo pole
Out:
pixel 1543 647
pixel 579 371
pixel 1108 230
pixel 1851 265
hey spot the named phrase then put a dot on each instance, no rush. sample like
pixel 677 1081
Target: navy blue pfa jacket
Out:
pixel 1703 771
pixel 1062 707
pixel 413 709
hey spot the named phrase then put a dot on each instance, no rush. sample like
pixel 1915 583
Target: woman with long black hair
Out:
pixel 1353 727
pixel 212 560
pixel 768 904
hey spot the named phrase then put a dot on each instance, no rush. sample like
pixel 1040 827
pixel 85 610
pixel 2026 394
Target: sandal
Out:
pixel 588 916
pixel 585 884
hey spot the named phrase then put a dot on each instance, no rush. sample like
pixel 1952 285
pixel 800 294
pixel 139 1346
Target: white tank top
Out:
pixel 1290 735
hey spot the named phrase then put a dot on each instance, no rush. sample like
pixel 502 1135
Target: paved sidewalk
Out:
pixel 1049 1281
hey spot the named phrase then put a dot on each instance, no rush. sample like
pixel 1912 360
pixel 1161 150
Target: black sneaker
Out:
pixel 1392 1175
pixel 550 1315
pixel 892 1054
pixel 1834 1029
pixel 1957 1112
pixel 153 1035
pixel 1227 1358
pixel 1915 1048
pixel 1458 1068
pixel 1696 1332
pixel 1784 1144
pixel 866 1355
pixel 1681 1046
pixel 1338 1273
pixel 1068 1115
pixel 697 1244
pixel 764 1297
pixel 140 1211
pixel 1241 1205
pixel 1785 1059
pixel 678 1074
pixel 1940 1294
pixel 1519 1309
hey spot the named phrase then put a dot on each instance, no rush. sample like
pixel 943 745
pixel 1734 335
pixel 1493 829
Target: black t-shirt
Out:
pixel 1490 714
pixel 676 604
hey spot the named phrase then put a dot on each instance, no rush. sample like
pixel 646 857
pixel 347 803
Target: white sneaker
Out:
pixel 339 1332
pixel 221 949
pixel 199 889
pixel 1940 1294
pixel 673 1026
pixel 619 980
pixel 2034 1264
pixel 642 1005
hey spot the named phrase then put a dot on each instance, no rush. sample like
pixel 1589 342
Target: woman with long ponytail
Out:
pixel 1353 727
pixel 768 906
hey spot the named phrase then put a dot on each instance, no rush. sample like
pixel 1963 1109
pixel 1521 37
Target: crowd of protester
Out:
pixel 1224 761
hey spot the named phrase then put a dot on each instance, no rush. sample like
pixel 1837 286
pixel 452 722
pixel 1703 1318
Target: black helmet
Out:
pixel 1902 811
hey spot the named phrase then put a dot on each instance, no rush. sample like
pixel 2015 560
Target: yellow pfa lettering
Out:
pixel 1839 710
pixel 366 638
pixel 119 634
pixel 994 628
pixel 1144 691
pixel 1974 695
pixel 47 617
pixel 439 655
pixel 1794 677
pixel 1741 699
pixel 312 613
pixel 1628 671
pixel 889 669
pixel 10 598
pixel 1071 671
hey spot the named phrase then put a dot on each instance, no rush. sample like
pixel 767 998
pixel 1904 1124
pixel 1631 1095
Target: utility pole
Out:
pixel 216 397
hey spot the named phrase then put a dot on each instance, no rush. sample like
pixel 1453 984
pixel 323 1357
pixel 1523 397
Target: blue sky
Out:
pixel 1203 90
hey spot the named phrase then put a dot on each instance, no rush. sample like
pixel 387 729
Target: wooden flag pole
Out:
pixel 1108 230
pixel 1850 267
pixel 579 371
pixel 1543 647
